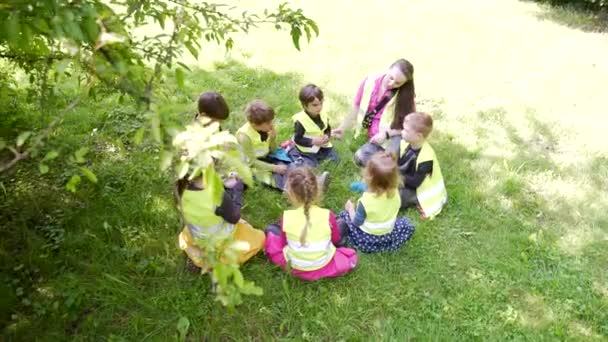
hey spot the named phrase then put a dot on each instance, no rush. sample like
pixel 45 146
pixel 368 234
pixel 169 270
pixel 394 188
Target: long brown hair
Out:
pixel 405 103
pixel 302 189
pixel 381 174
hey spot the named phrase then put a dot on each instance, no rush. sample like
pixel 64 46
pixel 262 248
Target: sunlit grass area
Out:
pixel 519 252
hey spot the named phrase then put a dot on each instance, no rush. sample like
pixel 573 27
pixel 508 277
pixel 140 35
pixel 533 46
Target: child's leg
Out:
pixel 365 152
pixel 328 153
pixel 302 159
pixel 343 262
pixel 394 145
pixel 408 197
pixel 254 237
pixel 275 244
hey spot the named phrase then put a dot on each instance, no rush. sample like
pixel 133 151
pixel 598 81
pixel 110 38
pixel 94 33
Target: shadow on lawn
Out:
pixel 457 277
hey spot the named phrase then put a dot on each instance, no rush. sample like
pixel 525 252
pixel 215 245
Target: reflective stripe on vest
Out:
pixel 311 130
pixel 260 148
pixel 204 233
pixel 389 108
pixel 381 212
pixel 318 250
pixel 431 193
pixel 198 210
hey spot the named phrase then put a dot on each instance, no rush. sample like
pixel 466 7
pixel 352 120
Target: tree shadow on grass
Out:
pixel 474 271
pixel 575 17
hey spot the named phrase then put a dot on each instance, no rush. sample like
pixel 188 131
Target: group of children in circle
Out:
pixel 400 170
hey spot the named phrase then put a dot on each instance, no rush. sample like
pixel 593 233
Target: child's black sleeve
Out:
pixel 230 209
pixel 298 135
pixel 414 181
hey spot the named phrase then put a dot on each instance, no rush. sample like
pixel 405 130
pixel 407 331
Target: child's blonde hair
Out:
pixel 420 122
pixel 302 189
pixel 381 174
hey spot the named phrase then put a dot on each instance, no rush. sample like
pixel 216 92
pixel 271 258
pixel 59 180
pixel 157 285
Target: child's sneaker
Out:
pixel 190 266
pixel 358 186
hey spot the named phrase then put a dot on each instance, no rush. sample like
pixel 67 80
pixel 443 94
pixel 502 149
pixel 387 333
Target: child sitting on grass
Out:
pixel 374 226
pixel 205 218
pixel 308 235
pixel 423 184
pixel 257 139
pixel 312 131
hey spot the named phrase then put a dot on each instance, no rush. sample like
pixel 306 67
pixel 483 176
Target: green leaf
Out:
pixel 12 27
pixel 249 288
pixel 184 66
pixel 73 183
pixel 183 324
pixel 221 272
pixel 2 144
pixel 79 155
pixel 89 174
pixel 238 278
pixel 91 29
pixel 63 65
pixel 139 136
pixel 183 169
pixel 43 168
pixel 295 37
pixel 192 49
pixel 314 26
pixel 22 138
pixel 214 183
pixel 166 158
pixel 179 77
pixel 51 155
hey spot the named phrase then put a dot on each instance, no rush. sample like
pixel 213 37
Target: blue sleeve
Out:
pixel 360 215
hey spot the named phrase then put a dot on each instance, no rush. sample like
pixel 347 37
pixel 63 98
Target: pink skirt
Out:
pixel 343 261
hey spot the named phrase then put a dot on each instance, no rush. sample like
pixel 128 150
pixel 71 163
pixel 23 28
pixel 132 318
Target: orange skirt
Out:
pixel 243 232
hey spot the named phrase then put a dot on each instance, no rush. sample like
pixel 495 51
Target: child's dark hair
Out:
pixel 213 105
pixel 420 122
pixel 381 174
pixel 405 102
pixel 259 112
pixel 309 92
pixel 302 189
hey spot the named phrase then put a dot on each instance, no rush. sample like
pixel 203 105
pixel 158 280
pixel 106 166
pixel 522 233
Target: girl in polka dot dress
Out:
pixel 373 226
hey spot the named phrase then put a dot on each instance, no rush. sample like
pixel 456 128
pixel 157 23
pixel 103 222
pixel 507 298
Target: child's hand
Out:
pixel 280 169
pixel 272 134
pixel 320 141
pixel 337 133
pixel 378 138
pixel 349 206
pixel 231 181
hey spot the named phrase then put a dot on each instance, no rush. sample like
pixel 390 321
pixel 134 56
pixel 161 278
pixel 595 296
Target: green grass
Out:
pixel 518 253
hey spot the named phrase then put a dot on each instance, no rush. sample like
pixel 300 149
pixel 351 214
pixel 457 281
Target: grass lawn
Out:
pixel 518 253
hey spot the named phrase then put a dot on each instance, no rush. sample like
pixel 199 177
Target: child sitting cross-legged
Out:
pixel 373 226
pixel 307 236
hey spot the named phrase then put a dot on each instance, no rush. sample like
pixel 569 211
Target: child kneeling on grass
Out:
pixel 308 235
pixel 374 226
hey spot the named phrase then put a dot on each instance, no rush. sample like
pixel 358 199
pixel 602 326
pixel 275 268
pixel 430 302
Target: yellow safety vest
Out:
pixel 311 130
pixel 431 194
pixel 261 148
pixel 381 212
pixel 389 109
pixel 198 210
pixel 318 250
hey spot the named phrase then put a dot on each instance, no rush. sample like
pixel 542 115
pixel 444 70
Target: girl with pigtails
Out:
pixel 307 236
